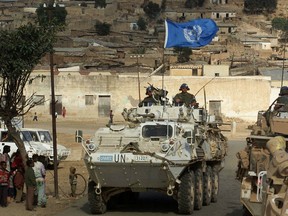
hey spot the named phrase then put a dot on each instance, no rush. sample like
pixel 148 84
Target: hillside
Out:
pixel 80 45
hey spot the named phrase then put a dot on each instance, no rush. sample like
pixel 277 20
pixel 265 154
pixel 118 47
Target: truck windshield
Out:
pixel 26 136
pixel 45 136
pixel 157 131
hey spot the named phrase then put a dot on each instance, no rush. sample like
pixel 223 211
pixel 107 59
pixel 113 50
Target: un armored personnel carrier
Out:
pixel 263 165
pixel 176 150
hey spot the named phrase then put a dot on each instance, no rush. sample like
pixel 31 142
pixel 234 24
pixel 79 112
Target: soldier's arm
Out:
pixel 177 98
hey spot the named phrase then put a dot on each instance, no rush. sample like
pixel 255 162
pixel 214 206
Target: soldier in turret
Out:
pixel 149 100
pixel 184 97
pixel 282 100
pixel 281 105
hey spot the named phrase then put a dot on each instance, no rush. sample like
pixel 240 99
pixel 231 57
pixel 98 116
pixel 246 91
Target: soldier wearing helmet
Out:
pixel 280 106
pixel 184 97
pixel 282 100
pixel 149 100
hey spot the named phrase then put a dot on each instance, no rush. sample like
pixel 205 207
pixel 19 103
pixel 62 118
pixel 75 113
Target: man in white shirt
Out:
pixel 40 174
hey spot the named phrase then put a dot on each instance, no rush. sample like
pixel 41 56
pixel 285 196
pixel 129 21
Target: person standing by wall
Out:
pixel 35 117
pixel 30 182
pixel 111 115
pixel 64 112
pixel 40 174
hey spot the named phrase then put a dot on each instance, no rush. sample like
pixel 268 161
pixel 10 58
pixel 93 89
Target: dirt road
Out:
pixel 66 135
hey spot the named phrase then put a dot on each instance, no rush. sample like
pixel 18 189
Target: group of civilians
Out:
pixel 13 177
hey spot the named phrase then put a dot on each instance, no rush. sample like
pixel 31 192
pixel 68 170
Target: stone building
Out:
pixel 92 96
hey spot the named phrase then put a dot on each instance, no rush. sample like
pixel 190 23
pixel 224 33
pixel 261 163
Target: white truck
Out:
pixel 42 137
pixel 31 147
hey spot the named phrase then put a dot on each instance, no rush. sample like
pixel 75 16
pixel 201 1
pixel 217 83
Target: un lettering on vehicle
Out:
pixel 140 158
pixel 122 158
pixel 117 158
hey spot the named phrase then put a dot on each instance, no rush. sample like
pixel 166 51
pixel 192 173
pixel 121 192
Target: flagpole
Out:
pixel 163 70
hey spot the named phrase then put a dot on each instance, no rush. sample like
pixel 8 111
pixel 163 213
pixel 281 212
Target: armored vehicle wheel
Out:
pixel 207 186
pixel 198 189
pixel 186 193
pixel 97 204
pixel 215 185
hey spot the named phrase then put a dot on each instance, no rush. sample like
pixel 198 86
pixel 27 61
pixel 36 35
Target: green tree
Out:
pixel 100 3
pixel 51 15
pixel 21 50
pixel 163 5
pixel 280 23
pixel 259 6
pixel 270 5
pixel 102 28
pixel 142 24
pixel 183 54
pixel 152 10
pixel 194 3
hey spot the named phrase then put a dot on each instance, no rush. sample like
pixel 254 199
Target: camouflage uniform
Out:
pixel 185 98
pixel 282 100
pixel 147 101
pixel 281 105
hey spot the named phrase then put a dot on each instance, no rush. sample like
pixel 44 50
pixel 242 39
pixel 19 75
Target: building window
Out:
pixel 89 100
pixel 194 72
pixel 39 99
pixel 216 74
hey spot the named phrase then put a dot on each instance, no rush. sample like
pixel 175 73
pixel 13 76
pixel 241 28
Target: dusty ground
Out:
pixel 66 135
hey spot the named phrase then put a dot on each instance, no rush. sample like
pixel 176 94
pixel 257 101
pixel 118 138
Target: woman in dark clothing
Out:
pixel 19 183
pixel 4 181
pixel 30 182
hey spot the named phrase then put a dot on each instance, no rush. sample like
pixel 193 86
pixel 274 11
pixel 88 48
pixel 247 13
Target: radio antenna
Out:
pixel 205 85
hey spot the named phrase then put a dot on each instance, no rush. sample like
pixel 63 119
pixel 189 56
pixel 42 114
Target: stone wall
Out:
pixel 241 97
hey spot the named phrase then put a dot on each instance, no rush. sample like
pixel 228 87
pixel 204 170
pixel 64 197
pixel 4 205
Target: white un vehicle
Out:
pixel 31 147
pixel 176 150
pixel 42 137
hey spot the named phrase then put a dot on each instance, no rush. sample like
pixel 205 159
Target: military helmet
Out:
pixel 184 86
pixel 148 89
pixel 276 143
pixel 283 90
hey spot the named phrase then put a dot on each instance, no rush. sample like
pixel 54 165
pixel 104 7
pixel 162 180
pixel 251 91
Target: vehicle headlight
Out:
pixel 91 147
pixel 165 147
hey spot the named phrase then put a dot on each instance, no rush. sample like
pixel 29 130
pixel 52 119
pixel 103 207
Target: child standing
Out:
pixel 73 181
pixel 35 117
